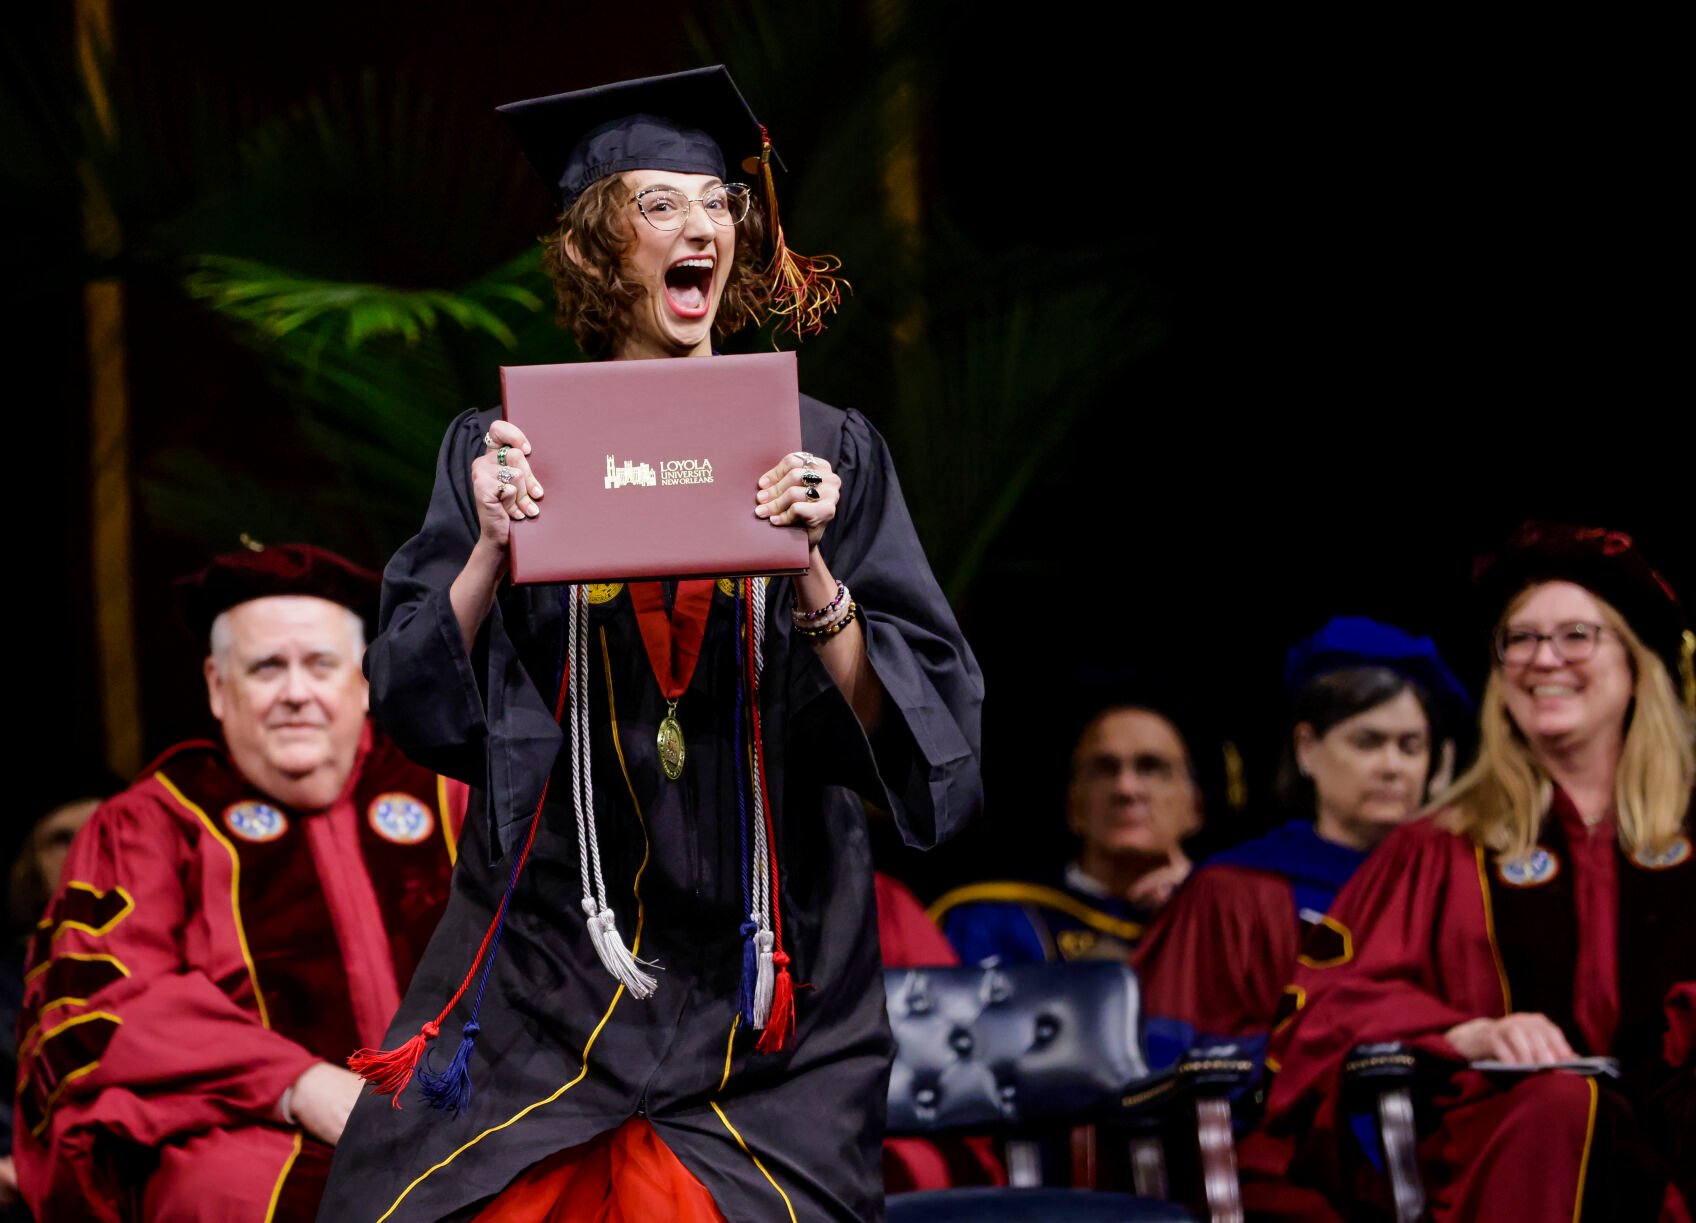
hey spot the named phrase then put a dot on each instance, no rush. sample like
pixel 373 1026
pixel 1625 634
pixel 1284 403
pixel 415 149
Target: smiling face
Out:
pixel 681 272
pixel 1560 705
pixel 285 683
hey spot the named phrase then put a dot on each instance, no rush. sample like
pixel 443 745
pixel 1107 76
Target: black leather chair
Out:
pixel 1032 1052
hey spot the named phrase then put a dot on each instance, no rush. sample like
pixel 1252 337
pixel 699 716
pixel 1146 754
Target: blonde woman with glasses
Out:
pixel 1534 938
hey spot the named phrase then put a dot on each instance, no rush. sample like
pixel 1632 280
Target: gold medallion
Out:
pixel 670 743
pixel 603 592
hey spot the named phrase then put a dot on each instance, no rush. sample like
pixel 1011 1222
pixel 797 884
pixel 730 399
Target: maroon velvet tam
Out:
pixel 1607 563
pixel 281 569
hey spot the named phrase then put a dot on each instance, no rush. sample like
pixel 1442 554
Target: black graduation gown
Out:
pixel 563 1054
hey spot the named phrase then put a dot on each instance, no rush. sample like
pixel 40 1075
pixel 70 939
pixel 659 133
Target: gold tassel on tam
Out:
pixel 805 288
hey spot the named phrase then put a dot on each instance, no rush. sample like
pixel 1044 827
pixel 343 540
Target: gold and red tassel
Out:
pixel 804 288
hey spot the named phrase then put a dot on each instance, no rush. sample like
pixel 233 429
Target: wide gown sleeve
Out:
pixel 924 762
pixel 1403 955
pixel 1219 954
pixel 479 718
pixel 125 1037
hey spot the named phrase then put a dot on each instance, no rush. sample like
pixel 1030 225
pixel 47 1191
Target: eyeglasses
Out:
pixel 1571 642
pixel 1146 765
pixel 667 209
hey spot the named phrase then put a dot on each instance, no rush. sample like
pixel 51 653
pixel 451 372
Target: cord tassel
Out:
pixel 746 990
pixel 451 1089
pixel 390 1070
pixel 763 982
pixel 780 1027
pixel 615 956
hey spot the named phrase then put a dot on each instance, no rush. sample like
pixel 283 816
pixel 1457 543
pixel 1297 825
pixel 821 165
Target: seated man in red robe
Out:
pixel 232 926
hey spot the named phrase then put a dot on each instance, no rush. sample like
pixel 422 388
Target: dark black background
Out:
pixel 1417 280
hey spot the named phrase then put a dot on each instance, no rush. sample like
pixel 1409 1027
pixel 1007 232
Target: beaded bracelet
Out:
pixel 830 630
pixel 802 618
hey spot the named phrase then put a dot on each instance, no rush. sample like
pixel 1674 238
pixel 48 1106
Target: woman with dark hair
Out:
pixel 1367 702
pixel 1540 917
pixel 711 1043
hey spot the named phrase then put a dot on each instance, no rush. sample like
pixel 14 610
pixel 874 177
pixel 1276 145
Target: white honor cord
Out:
pixel 762 847
pixel 603 928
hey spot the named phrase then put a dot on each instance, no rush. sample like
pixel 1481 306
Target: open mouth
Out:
pixel 688 285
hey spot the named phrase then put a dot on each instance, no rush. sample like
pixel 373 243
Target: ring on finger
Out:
pixel 500 455
pixel 504 475
pixel 806 457
pixel 812 493
pixel 811 478
pixel 489 441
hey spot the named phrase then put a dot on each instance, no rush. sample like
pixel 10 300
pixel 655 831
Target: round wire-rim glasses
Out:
pixel 667 209
pixel 1574 641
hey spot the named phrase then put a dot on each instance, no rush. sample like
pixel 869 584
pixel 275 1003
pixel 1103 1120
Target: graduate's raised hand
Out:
pixel 801 491
pixel 1525 1036
pixel 502 484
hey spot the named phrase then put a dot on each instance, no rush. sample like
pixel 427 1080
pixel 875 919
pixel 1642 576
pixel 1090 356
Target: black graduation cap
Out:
pixel 693 122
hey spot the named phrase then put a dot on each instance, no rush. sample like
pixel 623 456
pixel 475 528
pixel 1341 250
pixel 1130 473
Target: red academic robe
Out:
pixel 1434 931
pixel 206 946
pixel 1219 955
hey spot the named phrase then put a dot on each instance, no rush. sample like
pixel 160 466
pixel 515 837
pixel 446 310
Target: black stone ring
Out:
pixel 812 477
pixel 812 494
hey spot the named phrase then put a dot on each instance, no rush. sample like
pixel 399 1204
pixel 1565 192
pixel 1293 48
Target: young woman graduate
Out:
pixel 1367 704
pixel 711 1041
pixel 1543 912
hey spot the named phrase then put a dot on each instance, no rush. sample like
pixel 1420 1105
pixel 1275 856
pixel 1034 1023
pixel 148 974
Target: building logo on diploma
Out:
pixel 639 474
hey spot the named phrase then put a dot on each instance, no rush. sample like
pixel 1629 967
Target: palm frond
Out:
pixel 278 303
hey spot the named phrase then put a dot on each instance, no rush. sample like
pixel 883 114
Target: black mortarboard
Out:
pixel 284 569
pixel 693 122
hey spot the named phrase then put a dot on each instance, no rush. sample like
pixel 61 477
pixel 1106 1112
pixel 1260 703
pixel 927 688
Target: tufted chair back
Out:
pixel 1010 1048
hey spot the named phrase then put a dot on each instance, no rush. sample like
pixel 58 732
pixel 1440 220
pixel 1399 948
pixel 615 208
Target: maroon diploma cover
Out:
pixel 649 468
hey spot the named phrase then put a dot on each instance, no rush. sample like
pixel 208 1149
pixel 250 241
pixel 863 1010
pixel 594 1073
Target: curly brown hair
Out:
pixel 594 299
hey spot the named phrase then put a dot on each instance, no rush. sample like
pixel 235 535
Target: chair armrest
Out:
pixel 1383 1077
pixel 1219 1070
pixel 1380 1066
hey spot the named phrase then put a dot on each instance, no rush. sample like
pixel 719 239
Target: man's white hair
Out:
pixel 219 643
